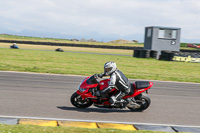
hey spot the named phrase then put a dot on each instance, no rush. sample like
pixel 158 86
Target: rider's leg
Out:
pixel 117 98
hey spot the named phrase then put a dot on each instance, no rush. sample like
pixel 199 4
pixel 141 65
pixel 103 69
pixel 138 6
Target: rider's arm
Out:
pixel 111 84
pixel 101 75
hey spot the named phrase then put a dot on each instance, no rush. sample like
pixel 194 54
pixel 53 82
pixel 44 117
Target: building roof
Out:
pixel 162 27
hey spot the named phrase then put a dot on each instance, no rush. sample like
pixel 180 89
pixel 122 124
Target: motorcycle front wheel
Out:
pixel 77 101
pixel 143 101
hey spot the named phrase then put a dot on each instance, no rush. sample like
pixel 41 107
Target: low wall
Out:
pixel 181 56
pixel 187 58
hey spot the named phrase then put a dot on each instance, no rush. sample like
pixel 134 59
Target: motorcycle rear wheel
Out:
pixel 143 100
pixel 77 101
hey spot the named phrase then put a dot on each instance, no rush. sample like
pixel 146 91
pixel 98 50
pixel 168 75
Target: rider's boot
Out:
pixel 113 101
pixel 131 101
pixel 117 103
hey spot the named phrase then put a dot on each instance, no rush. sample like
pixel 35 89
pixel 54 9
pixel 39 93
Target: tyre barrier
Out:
pixel 59 50
pixel 194 51
pixel 96 125
pixel 187 57
pixel 142 53
pixel 136 53
pixel 167 55
pixel 180 56
pixel 153 54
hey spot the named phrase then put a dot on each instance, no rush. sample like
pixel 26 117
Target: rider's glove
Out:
pixel 96 76
pixel 101 75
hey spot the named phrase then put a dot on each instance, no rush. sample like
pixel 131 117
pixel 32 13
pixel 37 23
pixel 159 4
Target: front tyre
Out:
pixel 77 101
pixel 143 101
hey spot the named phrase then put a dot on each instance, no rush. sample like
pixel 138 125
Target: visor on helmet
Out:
pixel 107 69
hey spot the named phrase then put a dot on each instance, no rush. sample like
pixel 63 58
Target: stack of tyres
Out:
pixel 195 55
pixel 136 53
pixel 144 54
pixel 153 54
pixel 141 53
pixel 167 55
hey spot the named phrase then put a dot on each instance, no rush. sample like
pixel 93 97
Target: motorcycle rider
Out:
pixel 117 80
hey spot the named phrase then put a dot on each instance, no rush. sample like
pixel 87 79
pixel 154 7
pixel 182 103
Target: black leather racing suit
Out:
pixel 119 81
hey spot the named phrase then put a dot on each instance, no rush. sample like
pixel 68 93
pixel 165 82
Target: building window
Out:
pixel 149 31
pixel 167 34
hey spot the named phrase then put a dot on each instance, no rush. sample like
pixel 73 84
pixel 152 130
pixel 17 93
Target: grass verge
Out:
pixel 88 64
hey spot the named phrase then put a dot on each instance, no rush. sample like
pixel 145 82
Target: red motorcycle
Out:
pixel 136 100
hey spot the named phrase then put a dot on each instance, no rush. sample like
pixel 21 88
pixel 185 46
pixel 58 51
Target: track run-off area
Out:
pixel 47 96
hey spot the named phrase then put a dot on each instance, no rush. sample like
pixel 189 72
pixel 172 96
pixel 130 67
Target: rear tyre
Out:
pixel 143 100
pixel 77 101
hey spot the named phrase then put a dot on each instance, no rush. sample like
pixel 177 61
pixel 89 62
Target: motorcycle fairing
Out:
pixel 87 83
pixel 104 84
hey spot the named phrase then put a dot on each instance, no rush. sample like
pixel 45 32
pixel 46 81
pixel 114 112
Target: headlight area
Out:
pixel 82 89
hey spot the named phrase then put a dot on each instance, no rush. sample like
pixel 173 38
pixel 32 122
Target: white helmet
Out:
pixel 109 67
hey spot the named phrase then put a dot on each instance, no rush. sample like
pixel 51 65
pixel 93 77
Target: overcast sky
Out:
pixel 102 20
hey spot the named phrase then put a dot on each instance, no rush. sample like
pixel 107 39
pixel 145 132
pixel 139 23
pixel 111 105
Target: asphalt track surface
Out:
pixel 48 96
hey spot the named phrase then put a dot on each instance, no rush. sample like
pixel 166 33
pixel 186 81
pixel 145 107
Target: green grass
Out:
pixel 39 129
pixel 88 64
